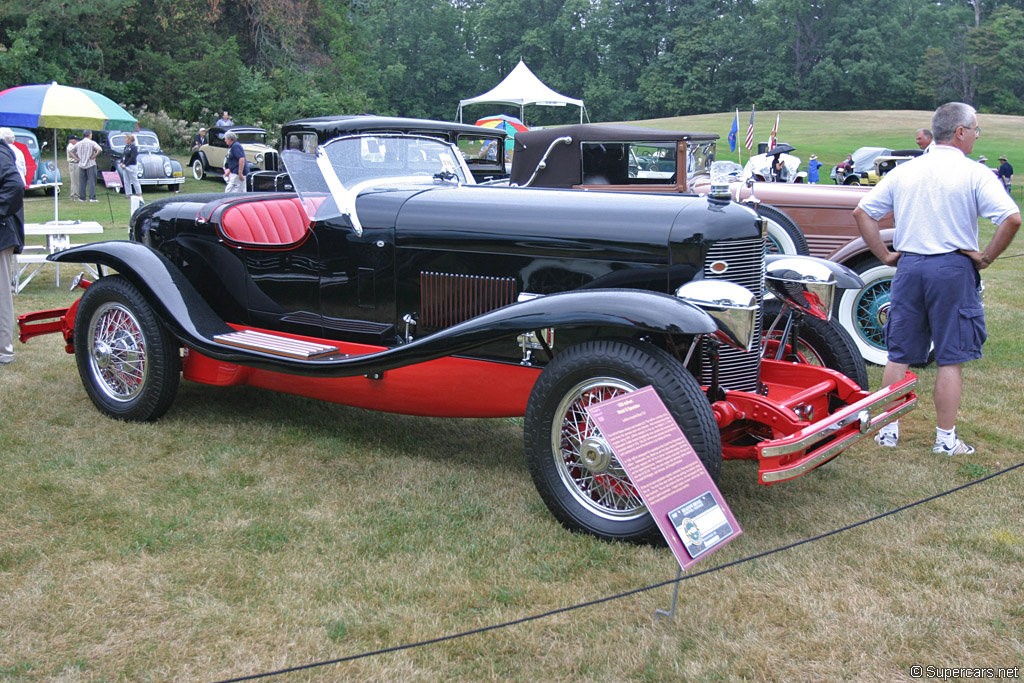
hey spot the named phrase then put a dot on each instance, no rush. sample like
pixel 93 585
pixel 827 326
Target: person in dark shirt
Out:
pixel 1005 172
pixel 129 166
pixel 234 164
pixel 12 239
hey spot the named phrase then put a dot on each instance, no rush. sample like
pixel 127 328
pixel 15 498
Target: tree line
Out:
pixel 272 61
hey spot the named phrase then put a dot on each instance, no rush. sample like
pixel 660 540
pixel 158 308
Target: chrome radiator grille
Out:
pixel 737 370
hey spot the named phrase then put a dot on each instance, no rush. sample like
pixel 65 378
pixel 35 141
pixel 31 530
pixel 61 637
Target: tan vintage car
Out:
pixel 802 218
pixel 258 154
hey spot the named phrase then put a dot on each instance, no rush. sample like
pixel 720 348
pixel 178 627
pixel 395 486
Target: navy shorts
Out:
pixel 935 299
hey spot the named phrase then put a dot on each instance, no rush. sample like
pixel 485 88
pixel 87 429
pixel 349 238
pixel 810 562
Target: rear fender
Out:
pixel 854 249
pixel 194 323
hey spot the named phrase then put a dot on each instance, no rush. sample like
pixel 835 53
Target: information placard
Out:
pixel 667 473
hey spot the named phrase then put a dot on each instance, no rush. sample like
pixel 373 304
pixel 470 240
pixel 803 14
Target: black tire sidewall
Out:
pixel 830 341
pixel 789 225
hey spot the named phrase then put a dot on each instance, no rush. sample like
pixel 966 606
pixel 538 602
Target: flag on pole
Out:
pixel 733 131
pixel 750 130
pixel 775 132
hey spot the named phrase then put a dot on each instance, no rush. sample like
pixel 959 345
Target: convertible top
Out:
pixel 564 162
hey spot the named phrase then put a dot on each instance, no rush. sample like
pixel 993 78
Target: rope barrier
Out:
pixel 619 596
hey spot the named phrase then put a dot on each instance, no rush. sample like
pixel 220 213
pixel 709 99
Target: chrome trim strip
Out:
pixel 834 426
pixel 836 448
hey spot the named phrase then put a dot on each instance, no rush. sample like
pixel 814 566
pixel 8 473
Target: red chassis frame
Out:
pixel 789 430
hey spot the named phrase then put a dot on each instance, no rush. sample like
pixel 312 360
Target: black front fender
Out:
pixel 191 319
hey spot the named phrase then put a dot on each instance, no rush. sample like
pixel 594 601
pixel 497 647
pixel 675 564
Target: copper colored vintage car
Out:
pixel 802 218
pixel 392 281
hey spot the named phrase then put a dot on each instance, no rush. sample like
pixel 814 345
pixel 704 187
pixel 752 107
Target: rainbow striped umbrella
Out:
pixel 61 106
pixel 509 124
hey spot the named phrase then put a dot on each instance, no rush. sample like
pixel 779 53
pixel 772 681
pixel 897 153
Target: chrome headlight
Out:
pixel 142 170
pixel 259 157
pixel 733 307
pixel 167 169
pixel 806 284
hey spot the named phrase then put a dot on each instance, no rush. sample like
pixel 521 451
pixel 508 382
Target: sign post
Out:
pixel 667 473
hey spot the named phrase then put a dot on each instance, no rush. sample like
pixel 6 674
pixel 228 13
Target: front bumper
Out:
pixel 809 416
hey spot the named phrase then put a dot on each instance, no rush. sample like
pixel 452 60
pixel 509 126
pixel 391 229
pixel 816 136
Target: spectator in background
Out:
pixel 983 160
pixel 234 164
pixel 814 170
pixel 199 140
pixel 924 138
pixel 87 150
pixel 129 167
pixel 224 119
pixel 7 137
pixel 1005 172
pixel 76 195
pixel 12 239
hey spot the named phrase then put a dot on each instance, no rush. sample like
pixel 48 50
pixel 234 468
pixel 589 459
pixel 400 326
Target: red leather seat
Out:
pixel 265 223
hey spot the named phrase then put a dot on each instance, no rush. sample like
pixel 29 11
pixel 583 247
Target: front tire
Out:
pixel 593 494
pixel 821 342
pixel 127 359
pixel 198 168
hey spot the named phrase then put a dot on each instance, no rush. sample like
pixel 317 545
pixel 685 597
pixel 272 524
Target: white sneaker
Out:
pixel 887 439
pixel 958 448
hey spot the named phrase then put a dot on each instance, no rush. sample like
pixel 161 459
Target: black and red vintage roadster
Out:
pixel 390 281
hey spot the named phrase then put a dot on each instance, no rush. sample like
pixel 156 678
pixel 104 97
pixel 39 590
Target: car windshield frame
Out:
pixel 329 180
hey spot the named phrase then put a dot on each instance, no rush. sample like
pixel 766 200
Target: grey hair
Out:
pixel 926 131
pixel 230 135
pixel 7 135
pixel 949 117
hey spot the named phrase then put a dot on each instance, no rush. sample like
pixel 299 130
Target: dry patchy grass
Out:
pixel 248 531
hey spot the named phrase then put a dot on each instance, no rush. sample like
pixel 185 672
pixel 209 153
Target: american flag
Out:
pixel 775 132
pixel 750 131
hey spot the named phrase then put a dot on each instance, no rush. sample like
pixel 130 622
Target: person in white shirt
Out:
pixel 936 200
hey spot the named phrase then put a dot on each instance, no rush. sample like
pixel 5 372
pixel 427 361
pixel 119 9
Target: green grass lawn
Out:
pixel 248 531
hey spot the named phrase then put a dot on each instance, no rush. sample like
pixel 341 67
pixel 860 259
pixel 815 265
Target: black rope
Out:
pixel 635 591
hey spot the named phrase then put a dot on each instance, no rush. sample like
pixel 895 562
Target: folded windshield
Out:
pixel 329 180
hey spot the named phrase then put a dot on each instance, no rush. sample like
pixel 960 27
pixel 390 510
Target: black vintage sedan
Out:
pixel 405 288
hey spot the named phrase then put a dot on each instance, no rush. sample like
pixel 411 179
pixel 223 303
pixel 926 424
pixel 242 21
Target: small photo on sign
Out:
pixel 701 524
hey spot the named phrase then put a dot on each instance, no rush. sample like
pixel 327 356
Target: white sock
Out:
pixel 946 436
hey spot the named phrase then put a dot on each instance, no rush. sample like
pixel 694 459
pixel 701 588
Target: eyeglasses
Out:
pixel 976 129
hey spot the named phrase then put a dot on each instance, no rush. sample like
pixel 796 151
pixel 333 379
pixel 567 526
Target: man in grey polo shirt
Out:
pixel 936 200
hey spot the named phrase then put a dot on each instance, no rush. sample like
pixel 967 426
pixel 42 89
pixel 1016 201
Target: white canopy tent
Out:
pixel 520 88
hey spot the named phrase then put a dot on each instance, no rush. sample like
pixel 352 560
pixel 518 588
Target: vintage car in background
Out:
pixel 258 154
pixel 478 146
pixel 886 162
pixel 155 167
pixel 46 175
pixel 407 288
pixel 802 218
pixel 871 163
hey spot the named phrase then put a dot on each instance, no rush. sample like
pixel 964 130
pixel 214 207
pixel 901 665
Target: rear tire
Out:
pixel 127 359
pixel 198 168
pixel 593 494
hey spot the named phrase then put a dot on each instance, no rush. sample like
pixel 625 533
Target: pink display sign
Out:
pixel 668 475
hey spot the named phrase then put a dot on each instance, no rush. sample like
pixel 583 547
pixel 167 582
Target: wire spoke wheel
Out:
pixel 573 466
pixel 117 352
pixel 583 458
